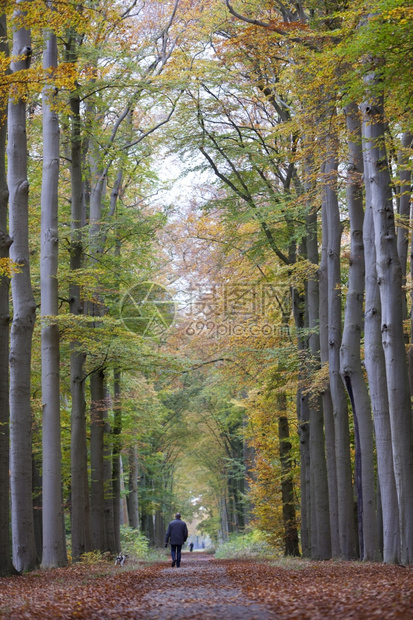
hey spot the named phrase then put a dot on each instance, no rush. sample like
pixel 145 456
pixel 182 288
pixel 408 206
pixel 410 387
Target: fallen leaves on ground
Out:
pixel 299 589
pixel 339 590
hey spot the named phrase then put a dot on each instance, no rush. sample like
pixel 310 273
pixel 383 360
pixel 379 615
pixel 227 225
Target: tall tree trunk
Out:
pixel 24 311
pixel 117 409
pixel 37 506
pixel 404 209
pixel 291 546
pixel 97 379
pixel 124 513
pixel 249 461
pixel 377 176
pixel 133 488
pixel 117 445
pixel 376 373
pixel 303 415
pixel 305 480
pixel 351 369
pixel 326 396
pixel 97 486
pixel 320 519
pixel 80 504
pixel 6 567
pixel 54 546
pixel 110 544
pixel 338 395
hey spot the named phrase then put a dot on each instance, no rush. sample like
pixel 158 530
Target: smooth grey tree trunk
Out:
pixel 326 395
pixel 404 209
pixel 338 395
pixel 6 567
pixel 303 415
pixel 133 488
pixel 54 545
pixel 110 544
pixel 24 312
pixel 124 513
pixel 350 359
pixel 305 479
pixel 320 517
pixel 97 379
pixel 116 457
pixel 376 373
pixel 97 482
pixel 80 504
pixel 37 505
pixel 389 272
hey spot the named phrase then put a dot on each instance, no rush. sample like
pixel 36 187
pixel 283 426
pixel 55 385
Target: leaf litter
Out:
pixel 206 588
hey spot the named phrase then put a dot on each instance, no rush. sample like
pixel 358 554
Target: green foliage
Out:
pixel 249 545
pixel 134 543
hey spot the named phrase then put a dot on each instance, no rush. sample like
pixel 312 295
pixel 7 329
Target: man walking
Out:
pixel 178 533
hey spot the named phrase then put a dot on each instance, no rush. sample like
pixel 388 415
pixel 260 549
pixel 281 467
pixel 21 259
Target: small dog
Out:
pixel 121 559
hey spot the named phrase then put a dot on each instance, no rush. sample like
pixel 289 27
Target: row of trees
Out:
pixel 287 107
pixel 293 116
pixel 79 82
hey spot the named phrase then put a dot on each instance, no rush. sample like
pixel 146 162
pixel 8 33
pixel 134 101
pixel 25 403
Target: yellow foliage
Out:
pixel 8 268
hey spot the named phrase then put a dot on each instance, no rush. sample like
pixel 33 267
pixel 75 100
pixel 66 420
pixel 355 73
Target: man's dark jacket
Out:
pixel 177 532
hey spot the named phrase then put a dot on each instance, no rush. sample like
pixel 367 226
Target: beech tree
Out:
pixel 24 309
pixel 54 544
pixel 5 555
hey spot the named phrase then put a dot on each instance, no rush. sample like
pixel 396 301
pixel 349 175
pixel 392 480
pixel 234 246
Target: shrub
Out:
pixel 249 545
pixel 134 543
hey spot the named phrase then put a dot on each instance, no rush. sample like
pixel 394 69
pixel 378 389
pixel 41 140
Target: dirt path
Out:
pixel 208 589
pixel 200 588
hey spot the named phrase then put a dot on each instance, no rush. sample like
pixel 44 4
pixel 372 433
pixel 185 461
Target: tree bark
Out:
pixel 291 546
pixel 320 517
pixel 97 483
pixel 116 464
pixel 6 567
pixel 326 396
pixel 404 211
pixel 110 544
pixel 133 488
pixel 338 395
pixel 24 311
pixel 389 272
pixel 350 359
pixel 80 504
pixel 54 545
pixel 376 373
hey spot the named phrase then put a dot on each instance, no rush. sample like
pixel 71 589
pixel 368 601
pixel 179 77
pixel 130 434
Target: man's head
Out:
pixel 178 515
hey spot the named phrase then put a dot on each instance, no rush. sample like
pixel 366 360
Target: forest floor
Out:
pixel 207 588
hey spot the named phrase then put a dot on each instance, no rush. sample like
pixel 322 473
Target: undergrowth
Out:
pixel 134 545
pixel 249 545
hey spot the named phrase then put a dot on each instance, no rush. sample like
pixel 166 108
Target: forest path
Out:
pixel 206 588
pixel 200 588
